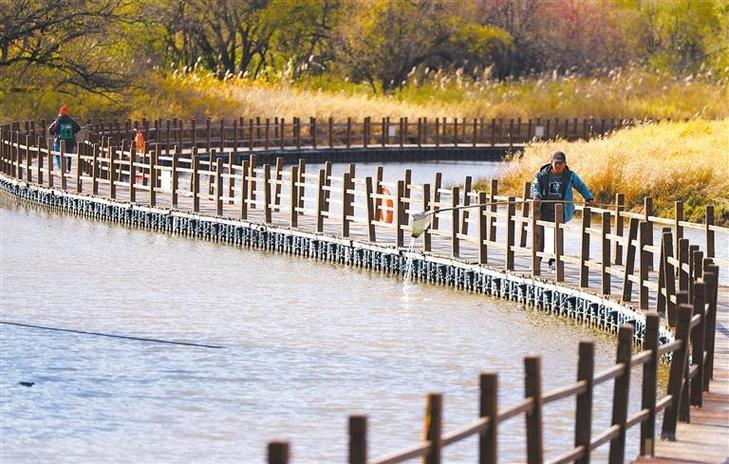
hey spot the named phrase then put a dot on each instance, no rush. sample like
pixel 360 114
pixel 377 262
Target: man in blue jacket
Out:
pixel 554 182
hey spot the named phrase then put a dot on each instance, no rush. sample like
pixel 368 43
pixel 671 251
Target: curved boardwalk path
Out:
pixel 706 437
pixel 498 236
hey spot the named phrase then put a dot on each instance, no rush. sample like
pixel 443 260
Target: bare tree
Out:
pixel 65 38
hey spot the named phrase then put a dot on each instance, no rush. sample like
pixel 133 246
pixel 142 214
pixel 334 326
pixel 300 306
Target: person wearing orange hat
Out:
pixel 64 129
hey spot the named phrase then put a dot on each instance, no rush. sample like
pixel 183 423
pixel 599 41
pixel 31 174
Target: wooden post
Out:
pixel 482 229
pixel 370 210
pixel 455 243
pixel 399 214
pixel 251 134
pixel 559 241
pixel 79 186
pixel 466 202
pixel 474 132
pixel 153 156
pixel 282 131
pixel 49 163
pixel 94 170
pixel 278 180
pixel 348 138
pixel 294 196
pixel 320 201
pixel 219 187
pixel 698 344
pixel 267 193
pixel 367 129
pixel 526 193
pixel 278 452
pixel 243 189
pixel 668 280
pixel 493 209
pixel 437 132
pixel 585 247
pixel 437 182
pixel 488 407
pixel 176 176
pixel 533 389
pixel 347 200
pixel 312 132
pixel 401 134
pixel 455 132
pixel 112 171
pixel 195 180
pixel 301 182
pixel 39 166
pixel 619 226
pixel 536 243
pixel 493 132
pixel 711 276
pixel 511 133
pixel 434 428
pixel 28 172
pixel 677 370
pixel 63 166
pixel 510 233
pixel 621 393
pixel 427 242
pixel 252 165
pixel 357 440
pixel 630 259
pixel 583 411
pixel 132 173
pixel 645 256
pixel 605 261
pixel 327 184
pixel 331 132
pixel 683 258
pixel 650 385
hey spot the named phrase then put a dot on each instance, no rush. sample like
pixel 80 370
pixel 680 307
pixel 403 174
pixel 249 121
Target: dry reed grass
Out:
pixel 635 94
pixel 669 161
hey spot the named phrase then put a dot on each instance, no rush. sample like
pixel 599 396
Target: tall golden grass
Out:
pixel 633 93
pixel 668 161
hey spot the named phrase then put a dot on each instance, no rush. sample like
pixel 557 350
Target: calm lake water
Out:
pixel 305 344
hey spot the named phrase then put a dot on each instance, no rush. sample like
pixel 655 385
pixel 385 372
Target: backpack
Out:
pixel 65 131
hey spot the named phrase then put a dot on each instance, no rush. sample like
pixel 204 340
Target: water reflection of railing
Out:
pixel 683 289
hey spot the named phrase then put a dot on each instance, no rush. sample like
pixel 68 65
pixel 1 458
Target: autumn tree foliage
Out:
pixel 103 45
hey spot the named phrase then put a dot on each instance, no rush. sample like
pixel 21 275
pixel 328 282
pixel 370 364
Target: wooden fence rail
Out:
pixel 278 132
pixel 675 281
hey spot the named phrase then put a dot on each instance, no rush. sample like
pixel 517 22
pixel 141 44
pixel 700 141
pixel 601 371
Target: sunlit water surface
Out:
pixel 305 344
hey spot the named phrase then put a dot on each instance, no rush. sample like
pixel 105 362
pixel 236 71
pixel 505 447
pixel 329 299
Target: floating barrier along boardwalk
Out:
pixel 655 282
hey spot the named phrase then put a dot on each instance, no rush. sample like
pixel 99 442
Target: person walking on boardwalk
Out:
pixel 554 183
pixel 63 129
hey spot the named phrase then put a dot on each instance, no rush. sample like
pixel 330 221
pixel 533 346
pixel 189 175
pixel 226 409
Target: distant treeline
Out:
pixel 104 46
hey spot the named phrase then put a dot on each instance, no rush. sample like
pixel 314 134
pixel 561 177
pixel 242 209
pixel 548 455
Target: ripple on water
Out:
pixel 306 344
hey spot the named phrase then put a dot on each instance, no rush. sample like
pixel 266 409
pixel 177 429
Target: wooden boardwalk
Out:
pixel 704 439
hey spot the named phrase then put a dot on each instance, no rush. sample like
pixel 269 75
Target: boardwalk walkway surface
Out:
pixel 704 439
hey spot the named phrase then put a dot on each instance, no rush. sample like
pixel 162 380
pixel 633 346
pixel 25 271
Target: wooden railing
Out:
pixel 278 132
pixel 683 289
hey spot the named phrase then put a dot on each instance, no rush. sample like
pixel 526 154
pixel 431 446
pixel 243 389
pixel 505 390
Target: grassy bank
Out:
pixel 685 161
pixel 635 93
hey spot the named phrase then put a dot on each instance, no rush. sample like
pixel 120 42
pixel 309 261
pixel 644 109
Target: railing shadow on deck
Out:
pixel 683 289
